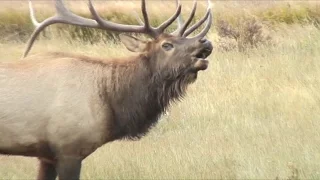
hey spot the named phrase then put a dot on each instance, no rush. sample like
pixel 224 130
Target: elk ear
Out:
pixel 133 44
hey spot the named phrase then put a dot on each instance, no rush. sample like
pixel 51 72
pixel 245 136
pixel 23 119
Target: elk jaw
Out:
pixel 201 63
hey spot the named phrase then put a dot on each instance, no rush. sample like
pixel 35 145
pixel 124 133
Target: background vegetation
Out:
pixel 254 114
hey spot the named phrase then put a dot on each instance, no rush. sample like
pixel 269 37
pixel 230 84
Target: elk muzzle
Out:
pixel 203 53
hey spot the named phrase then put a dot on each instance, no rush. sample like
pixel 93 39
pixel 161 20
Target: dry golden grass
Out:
pixel 15 23
pixel 252 115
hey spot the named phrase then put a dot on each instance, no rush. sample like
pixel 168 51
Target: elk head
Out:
pixel 174 53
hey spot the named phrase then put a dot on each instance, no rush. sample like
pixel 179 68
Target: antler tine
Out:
pixel 201 21
pixel 114 26
pixel 168 22
pixel 180 19
pixel 32 16
pixel 145 15
pixel 206 29
pixel 36 24
pixel 165 24
pixel 198 24
pixel 63 15
pixel 67 17
pixel 36 33
pixel 186 24
pixel 138 18
pixel 208 25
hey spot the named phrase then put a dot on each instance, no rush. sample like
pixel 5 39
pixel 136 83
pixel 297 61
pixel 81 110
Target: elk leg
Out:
pixel 68 168
pixel 47 171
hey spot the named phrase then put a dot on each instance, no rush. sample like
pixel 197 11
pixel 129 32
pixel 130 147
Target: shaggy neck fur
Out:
pixel 139 93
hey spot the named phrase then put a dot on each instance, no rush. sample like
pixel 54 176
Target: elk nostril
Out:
pixel 202 40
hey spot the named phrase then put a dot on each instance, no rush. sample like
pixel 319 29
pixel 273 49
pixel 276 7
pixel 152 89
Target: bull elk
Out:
pixel 61 107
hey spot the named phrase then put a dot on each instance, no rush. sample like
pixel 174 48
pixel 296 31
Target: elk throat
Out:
pixel 141 97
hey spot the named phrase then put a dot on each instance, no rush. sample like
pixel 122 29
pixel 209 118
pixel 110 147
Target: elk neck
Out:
pixel 138 94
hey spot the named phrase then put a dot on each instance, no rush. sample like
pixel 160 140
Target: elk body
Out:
pixel 61 107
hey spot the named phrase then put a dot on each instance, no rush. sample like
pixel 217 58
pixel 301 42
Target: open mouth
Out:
pixel 204 53
pixel 202 62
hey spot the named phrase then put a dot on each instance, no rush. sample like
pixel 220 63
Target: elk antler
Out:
pixel 145 28
pixel 180 19
pixel 182 26
pixel 63 15
pixel 32 16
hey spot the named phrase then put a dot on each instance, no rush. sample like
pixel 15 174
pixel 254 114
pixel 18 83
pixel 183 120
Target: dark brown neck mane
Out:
pixel 140 94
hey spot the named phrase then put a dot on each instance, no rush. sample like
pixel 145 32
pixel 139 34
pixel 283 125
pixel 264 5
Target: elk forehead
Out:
pixel 176 40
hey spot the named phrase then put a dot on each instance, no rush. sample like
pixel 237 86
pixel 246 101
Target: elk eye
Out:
pixel 167 46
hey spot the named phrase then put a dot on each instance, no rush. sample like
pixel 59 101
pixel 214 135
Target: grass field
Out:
pixel 251 115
